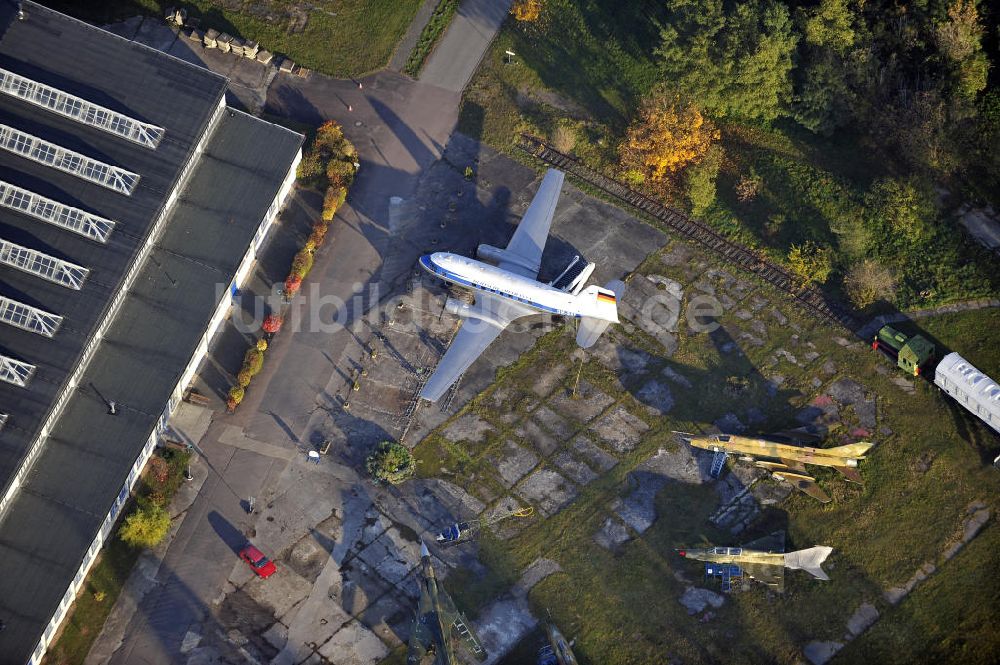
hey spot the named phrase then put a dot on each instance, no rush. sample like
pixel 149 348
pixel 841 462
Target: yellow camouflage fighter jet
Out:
pixel 785 461
pixel 764 560
pixel 438 621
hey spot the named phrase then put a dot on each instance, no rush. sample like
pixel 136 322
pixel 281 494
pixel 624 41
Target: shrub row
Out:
pixel 253 362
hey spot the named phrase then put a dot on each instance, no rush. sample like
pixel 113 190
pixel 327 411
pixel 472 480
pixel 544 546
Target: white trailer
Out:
pixel 969 387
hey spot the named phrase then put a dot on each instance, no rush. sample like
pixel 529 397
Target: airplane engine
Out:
pixel 489 253
pixel 457 307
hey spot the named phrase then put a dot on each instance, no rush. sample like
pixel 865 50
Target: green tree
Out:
pixel 867 282
pixel 391 462
pixel 700 181
pixel 959 40
pixel 829 24
pixel 824 98
pixel 899 215
pixel 810 263
pixel 145 527
pixel 733 62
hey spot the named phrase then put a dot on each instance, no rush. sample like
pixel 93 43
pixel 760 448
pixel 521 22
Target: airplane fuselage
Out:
pixel 486 278
pixel 742 445
pixel 736 555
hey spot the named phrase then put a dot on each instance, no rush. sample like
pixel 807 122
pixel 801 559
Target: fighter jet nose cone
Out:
pixel 423 549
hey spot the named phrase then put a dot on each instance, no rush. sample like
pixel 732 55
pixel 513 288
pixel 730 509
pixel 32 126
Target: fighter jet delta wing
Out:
pixel 772 576
pixel 804 483
pixel 436 622
pixel 459 624
pixel 773 543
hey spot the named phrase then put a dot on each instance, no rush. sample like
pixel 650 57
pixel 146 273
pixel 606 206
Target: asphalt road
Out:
pixel 400 128
pixel 456 57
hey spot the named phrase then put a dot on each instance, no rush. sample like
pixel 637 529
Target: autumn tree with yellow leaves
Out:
pixel 667 135
pixel 527 11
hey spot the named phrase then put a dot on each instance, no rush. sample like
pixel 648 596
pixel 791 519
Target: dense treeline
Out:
pixel 735 91
pixel 915 73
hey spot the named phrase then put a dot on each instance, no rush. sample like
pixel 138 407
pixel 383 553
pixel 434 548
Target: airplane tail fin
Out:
pixel 809 560
pixel 602 306
pixel 851 449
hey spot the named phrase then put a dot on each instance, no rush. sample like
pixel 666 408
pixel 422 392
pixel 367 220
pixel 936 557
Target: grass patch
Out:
pixel 103 584
pixel 337 37
pixel 430 35
pixel 622 607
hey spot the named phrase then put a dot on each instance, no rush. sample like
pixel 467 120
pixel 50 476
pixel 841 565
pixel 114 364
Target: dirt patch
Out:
pixel 587 405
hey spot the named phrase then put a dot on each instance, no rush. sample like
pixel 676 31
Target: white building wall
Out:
pixel 221 311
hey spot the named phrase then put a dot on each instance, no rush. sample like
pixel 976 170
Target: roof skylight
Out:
pixel 43 152
pixel 53 212
pixel 47 267
pixel 15 371
pixel 29 318
pixel 79 109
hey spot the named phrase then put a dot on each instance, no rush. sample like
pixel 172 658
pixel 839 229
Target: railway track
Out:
pixel 811 299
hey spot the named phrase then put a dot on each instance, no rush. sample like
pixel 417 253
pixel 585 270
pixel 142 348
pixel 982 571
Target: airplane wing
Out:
pixel 772 576
pixel 794 465
pixel 470 342
pixel 774 542
pixel 851 473
pixel 454 620
pixel 806 484
pixel 529 239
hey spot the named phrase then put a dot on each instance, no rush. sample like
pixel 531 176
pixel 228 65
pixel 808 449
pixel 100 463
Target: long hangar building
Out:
pixel 132 202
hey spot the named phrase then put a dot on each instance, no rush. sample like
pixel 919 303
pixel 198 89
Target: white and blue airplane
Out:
pixel 509 290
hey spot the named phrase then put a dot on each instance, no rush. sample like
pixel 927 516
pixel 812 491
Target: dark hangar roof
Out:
pixel 60 507
pixel 128 78
pixel 46 532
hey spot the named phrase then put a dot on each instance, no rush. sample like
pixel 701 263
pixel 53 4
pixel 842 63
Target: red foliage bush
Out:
pixel 272 323
pixel 158 469
pixel 292 284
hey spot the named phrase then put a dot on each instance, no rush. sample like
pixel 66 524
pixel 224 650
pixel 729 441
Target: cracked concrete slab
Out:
pixel 513 462
pixel 579 472
pixel 656 397
pixel 620 430
pixel 612 535
pixel 594 454
pixel 549 378
pixel 553 422
pixel 354 644
pixel 530 432
pixel 547 490
pixel 468 427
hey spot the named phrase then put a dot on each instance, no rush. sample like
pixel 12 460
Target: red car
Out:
pixel 259 563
